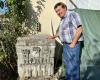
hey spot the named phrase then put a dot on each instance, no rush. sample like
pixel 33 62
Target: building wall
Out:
pixel 47 15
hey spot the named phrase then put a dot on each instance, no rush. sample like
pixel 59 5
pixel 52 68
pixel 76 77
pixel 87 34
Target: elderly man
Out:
pixel 70 34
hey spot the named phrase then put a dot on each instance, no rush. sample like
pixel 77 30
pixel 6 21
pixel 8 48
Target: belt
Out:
pixel 66 43
pixel 70 43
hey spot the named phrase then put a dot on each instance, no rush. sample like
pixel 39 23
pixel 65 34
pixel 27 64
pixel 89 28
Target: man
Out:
pixel 70 34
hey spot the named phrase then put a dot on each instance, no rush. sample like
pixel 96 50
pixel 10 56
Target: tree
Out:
pixel 15 23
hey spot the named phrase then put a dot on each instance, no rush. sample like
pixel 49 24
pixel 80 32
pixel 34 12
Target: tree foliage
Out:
pixel 15 23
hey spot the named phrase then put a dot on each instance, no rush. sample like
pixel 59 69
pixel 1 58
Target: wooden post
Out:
pixel 52 28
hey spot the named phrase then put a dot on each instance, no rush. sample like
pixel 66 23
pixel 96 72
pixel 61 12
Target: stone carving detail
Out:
pixel 35 57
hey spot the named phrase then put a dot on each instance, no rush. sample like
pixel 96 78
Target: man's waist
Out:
pixel 65 43
pixel 68 39
pixel 70 42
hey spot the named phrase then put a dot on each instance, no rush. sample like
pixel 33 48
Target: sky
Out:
pixel 4 9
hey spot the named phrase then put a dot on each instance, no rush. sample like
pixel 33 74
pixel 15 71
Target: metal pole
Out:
pixel 73 4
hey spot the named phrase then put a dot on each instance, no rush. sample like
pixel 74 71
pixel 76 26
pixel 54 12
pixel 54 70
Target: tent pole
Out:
pixel 73 4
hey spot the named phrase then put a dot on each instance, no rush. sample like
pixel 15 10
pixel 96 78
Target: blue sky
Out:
pixel 4 9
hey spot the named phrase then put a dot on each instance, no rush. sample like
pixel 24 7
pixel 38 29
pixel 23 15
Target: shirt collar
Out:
pixel 66 14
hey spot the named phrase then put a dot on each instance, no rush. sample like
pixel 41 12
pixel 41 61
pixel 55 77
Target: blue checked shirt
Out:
pixel 68 26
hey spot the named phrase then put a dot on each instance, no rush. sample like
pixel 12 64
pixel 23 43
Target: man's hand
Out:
pixel 72 45
pixel 51 37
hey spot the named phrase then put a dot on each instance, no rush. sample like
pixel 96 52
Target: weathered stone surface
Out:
pixel 35 57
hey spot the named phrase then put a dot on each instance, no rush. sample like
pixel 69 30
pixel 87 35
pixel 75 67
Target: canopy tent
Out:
pixel 91 52
pixel 85 4
pixel 90 58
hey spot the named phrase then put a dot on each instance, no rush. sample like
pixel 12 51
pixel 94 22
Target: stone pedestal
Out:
pixel 35 57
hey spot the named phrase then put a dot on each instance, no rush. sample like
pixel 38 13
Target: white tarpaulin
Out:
pixel 85 4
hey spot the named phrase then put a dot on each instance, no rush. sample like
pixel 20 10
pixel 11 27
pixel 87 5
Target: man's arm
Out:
pixel 77 35
pixel 53 37
pixel 76 21
pixel 56 35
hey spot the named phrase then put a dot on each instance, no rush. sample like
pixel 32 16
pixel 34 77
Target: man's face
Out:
pixel 60 11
